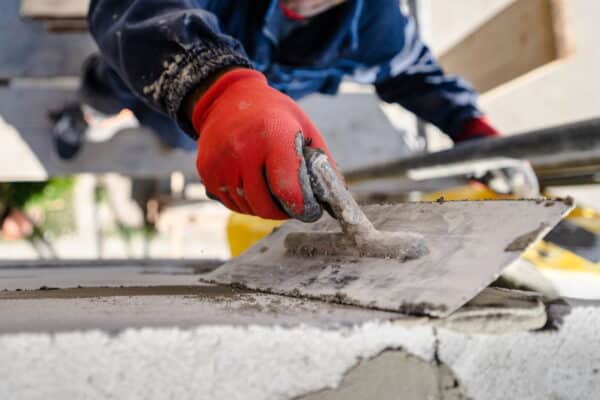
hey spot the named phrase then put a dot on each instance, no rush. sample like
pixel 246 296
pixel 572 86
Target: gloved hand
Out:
pixel 250 148
pixel 477 128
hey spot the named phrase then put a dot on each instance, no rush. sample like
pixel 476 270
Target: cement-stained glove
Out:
pixel 250 148
pixel 477 128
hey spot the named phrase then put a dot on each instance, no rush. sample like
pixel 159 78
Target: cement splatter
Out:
pixel 522 242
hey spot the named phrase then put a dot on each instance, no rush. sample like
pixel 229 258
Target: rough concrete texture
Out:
pixel 105 340
pixel 496 311
pixel 562 364
pixel 203 363
pixel 269 362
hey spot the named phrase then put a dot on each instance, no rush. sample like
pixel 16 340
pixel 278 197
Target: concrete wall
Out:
pixel 270 362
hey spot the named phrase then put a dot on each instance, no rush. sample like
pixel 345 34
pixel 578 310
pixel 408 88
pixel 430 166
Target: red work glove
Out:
pixel 288 12
pixel 477 128
pixel 250 148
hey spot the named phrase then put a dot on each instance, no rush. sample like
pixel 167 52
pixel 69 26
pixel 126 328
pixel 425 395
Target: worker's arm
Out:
pixel 404 71
pixel 163 49
pixel 250 137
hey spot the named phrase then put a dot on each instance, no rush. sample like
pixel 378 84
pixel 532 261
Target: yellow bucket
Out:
pixel 244 230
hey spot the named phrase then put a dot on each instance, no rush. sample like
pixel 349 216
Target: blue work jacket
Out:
pixel 160 50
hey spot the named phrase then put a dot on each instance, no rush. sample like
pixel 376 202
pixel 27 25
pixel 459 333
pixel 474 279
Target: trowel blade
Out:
pixel 470 243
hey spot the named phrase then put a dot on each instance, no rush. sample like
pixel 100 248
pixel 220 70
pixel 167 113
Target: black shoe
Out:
pixel 68 131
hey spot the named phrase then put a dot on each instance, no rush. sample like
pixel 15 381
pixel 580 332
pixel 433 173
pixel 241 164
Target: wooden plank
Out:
pixel 61 9
pixel 66 25
pixel 139 153
pixel 38 53
pixel 525 36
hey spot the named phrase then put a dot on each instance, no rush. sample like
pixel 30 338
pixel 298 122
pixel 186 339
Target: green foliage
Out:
pixel 100 194
pixel 26 194
pixel 53 198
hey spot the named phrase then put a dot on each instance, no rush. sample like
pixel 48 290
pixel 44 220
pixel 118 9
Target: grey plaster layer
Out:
pixel 117 309
pixel 393 375
pixel 469 244
pixel 201 363
pixel 99 275
pixel 113 308
pixel 116 296
pixel 560 364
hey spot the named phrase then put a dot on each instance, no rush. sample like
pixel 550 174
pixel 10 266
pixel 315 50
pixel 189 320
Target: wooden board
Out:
pixel 58 15
pixel 525 36
pixel 60 9
pixel 66 25
pixel 470 243
pixel 139 153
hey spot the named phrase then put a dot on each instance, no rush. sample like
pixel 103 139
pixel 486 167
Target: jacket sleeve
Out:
pixel 404 71
pixel 162 49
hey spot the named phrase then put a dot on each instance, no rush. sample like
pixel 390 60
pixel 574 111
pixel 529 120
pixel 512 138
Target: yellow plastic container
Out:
pixel 474 191
pixel 244 230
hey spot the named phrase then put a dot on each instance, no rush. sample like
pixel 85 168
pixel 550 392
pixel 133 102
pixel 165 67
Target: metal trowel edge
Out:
pixel 469 244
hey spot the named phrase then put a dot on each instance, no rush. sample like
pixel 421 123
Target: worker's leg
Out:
pixel 101 88
pixel 104 91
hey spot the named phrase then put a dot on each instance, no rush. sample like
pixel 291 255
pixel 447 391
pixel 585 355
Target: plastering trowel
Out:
pixel 413 258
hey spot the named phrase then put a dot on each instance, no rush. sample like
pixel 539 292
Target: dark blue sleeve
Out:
pixel 162 49
pixel 404 71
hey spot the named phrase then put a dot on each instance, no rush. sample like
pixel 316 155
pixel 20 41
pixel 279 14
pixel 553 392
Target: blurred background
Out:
pixel 535 63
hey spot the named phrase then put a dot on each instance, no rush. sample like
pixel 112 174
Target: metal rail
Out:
pixel 551 151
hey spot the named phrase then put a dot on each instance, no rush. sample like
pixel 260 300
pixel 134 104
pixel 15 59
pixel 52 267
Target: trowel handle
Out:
pixel 325 183
pixel 330 189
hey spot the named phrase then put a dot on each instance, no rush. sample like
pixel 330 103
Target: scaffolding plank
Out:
pixel 137 152
pixel 42 9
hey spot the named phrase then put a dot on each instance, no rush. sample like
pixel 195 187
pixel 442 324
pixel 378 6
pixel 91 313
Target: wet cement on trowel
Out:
pixel 358 236
pixel 397 245
pixel 522 242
